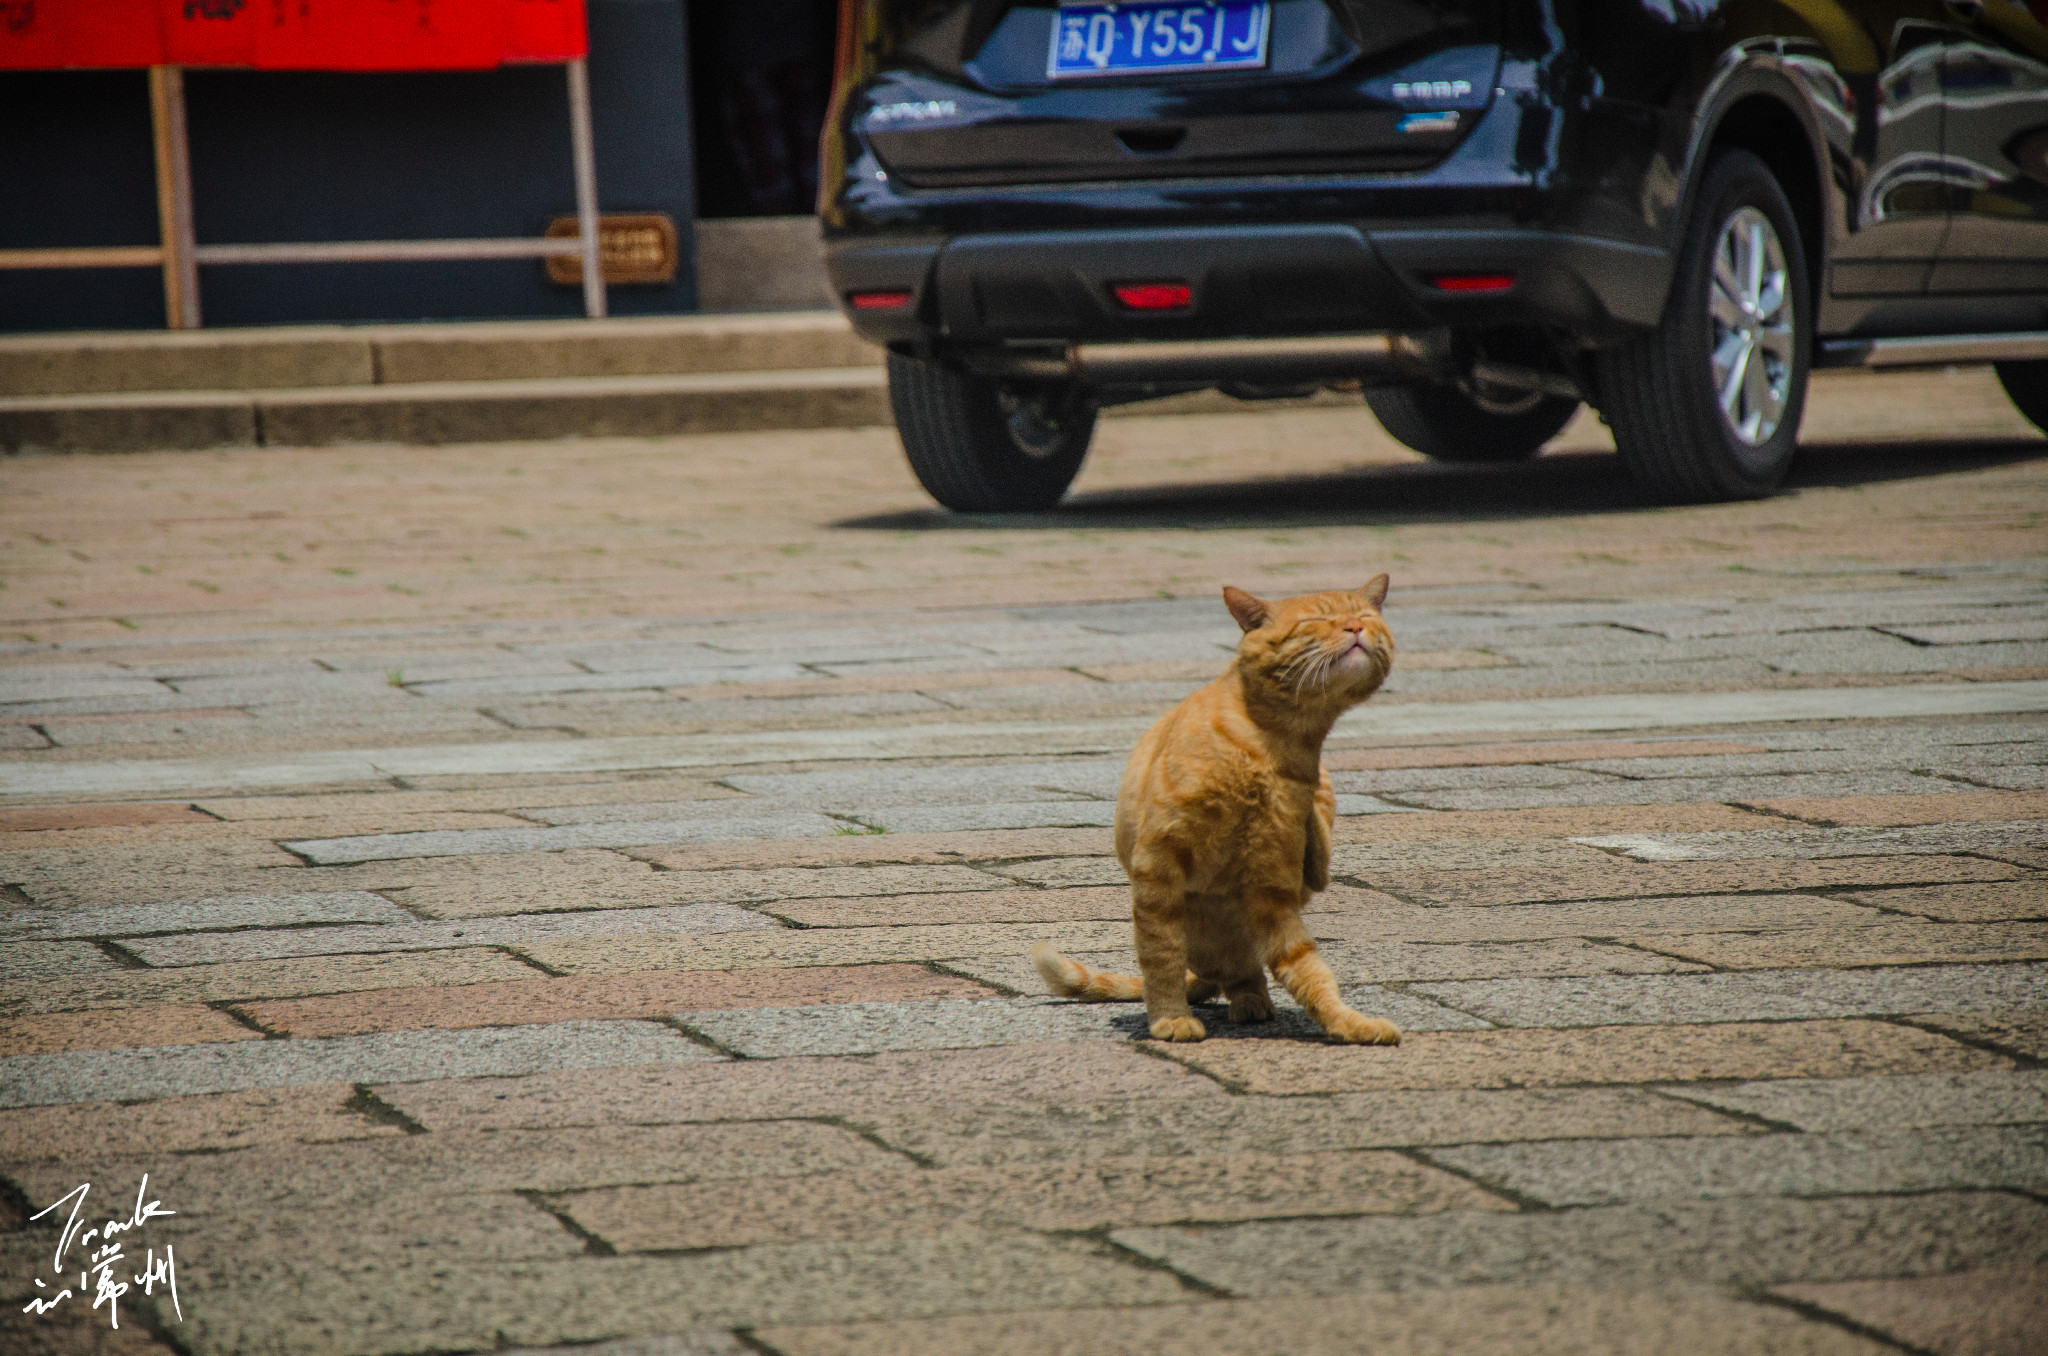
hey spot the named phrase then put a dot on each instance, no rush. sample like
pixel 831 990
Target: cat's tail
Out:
pixel 1068 978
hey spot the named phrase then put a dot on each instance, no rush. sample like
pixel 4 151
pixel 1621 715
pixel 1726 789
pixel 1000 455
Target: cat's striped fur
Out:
pixel 1223 823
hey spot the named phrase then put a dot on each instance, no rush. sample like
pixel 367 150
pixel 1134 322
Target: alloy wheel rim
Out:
pixel 1749 312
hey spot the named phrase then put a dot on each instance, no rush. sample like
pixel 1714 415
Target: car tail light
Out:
pixel 878 301
pixel 1474 282
pixel 1154 296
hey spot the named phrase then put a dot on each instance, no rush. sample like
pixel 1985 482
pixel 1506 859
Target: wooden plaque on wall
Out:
pixel 632 248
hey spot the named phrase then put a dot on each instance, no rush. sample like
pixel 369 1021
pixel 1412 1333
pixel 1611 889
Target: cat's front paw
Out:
pixel 1355 1028
pixel 1178 1029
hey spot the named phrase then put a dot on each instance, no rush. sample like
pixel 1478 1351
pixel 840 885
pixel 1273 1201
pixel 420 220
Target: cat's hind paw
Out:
pixel 1251 1007
pixel 1179 1029
pixel 1355 1028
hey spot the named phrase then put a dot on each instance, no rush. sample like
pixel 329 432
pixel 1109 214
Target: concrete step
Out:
pixel 297 358
pixel 447 411
pixel 317 386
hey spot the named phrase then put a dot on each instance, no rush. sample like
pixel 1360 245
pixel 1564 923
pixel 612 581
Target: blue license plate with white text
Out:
pixel 1157 36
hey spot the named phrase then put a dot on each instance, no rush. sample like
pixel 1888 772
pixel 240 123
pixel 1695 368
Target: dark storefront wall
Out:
pixel 302 157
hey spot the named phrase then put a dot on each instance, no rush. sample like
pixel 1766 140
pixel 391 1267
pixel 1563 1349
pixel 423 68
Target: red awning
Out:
pixel 290 35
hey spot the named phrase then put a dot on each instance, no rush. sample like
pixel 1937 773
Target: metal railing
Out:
pixel 180 255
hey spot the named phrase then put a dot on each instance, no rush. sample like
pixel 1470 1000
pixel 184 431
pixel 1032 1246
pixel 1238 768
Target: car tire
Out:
pixel 979 446
pixel 2026 385
pixel 1707 406
pixel 1443 423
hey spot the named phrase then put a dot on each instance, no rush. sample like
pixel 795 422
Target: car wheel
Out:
pixel 1708 405
pixel 980 446
pixel 1444 423
pixel 2026 383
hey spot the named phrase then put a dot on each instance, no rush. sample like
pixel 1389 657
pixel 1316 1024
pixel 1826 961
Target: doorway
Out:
pixel 761 73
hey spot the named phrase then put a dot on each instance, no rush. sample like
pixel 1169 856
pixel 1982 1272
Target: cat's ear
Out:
pixel 1375 590
pixel 1250 612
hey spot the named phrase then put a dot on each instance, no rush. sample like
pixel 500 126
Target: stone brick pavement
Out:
pixel 574 896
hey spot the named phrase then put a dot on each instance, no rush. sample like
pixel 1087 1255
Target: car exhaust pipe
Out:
pixel 1374 359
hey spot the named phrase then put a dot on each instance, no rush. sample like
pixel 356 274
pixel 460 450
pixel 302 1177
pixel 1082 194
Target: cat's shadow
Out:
pixel 1287 1024
pixel 1559 484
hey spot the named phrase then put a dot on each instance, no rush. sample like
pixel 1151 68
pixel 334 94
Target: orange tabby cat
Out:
pixel 1223 823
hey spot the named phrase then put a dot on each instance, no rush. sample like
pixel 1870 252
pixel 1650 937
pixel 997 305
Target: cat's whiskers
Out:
pixel 1305 664
pixel 1309 669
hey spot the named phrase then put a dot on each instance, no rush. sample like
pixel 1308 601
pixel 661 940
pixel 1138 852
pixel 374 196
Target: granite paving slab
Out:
pixel 1993 1097
pixel 1065 871
pixel 1600 918
pixel 135 777
pixel 1735 1242
pixel 1661 792
pixel 1369 961
pixel 1839 1163
pixel 1021 815
pixel 1528 1320
pixel 198 915
pixel 2021 1033
pixel 1535 715
pixel 884 786
pixel 373 1176
pixel 519 929
pixel 561 998
pixel 236 980
pixel 399 1056
pixel 1491 853
pixel 589 1299
pixel 1087 1123
pixel 1757 995
pixel 1546 714
pixel 1410 781
pixel 856 1087
pixel 1596 1055
pixel 826 882
pixel 989 906
pixel 1838 842
pixel 1890 943
pixel 519 882
pixel 907 1200
pixel 119 1028
pixel 2034 778
pixel 1622 879
pixel 317 1113
pixel 1989 901
pixel 23 962
pixel 766 947
pixel 695 1342
pixel 606 834
pixel 216 1248
pixel 870 1028
pixel 1997 1312
pixel 516 685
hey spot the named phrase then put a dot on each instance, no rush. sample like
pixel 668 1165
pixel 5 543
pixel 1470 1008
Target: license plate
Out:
pixel 1157 36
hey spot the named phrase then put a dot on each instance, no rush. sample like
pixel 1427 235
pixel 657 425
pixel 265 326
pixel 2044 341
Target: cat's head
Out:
pixel 1318 647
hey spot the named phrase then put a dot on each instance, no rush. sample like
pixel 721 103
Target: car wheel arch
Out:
pixel 1753 105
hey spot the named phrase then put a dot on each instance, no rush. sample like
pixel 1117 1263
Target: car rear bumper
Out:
pixel 978 290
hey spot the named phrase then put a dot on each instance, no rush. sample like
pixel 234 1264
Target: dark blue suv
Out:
pixel 1480 212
